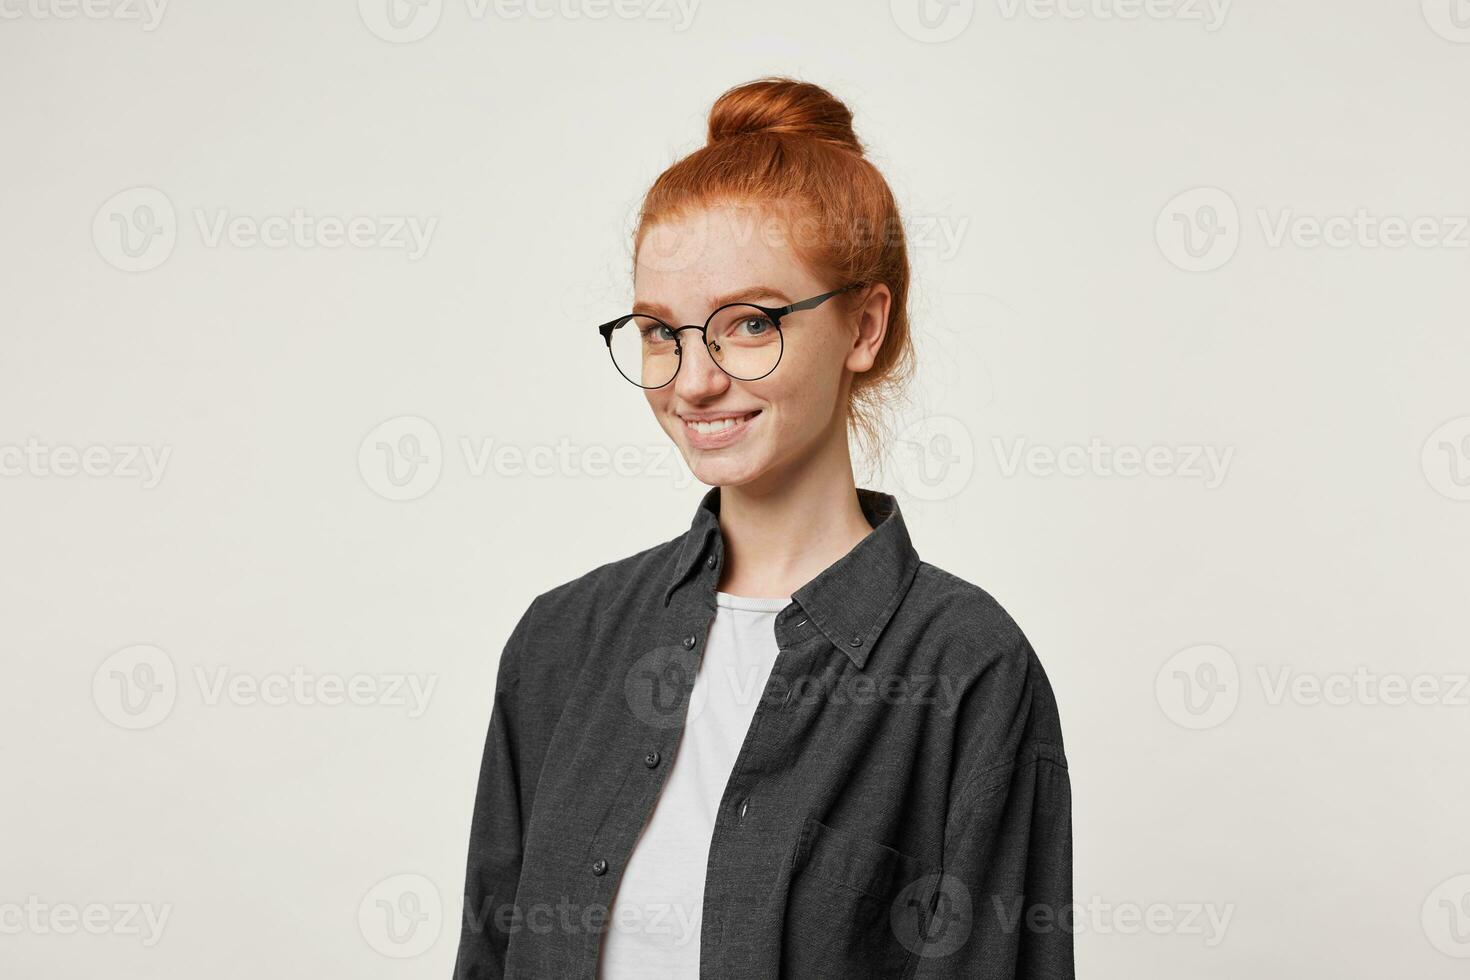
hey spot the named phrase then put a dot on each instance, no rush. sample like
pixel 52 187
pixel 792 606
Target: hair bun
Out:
pixel 782 107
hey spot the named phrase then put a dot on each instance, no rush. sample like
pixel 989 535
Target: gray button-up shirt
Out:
pixel 900 806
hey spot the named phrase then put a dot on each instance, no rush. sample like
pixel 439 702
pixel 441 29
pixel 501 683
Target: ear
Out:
pixel 871 321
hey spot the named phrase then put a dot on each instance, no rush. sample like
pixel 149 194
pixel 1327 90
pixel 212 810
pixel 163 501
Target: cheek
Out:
pixel 803 400
pixel 814 377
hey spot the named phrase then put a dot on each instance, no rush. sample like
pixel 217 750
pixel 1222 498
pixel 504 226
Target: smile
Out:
pixel 707 426
pixel 718 431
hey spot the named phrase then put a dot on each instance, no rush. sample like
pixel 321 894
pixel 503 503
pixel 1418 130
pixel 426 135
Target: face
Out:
pixel 752 433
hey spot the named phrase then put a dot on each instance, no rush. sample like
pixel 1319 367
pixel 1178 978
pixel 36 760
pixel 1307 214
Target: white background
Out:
pixel 1049 161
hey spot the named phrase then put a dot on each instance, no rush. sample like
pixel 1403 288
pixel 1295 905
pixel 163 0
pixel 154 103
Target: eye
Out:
pixel 754 326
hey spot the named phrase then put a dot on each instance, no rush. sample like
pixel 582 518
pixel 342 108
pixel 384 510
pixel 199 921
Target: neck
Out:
pixel 780 536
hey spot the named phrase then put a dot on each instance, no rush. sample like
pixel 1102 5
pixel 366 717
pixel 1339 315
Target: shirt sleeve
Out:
pixel 1000 906
pixel 502 806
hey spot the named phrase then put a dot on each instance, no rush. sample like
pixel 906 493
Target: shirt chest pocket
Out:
pixel 840 909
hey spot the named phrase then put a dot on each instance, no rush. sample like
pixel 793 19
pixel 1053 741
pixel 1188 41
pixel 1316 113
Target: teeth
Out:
pixel 719 425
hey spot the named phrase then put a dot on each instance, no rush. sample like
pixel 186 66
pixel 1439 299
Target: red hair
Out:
pixel 788 148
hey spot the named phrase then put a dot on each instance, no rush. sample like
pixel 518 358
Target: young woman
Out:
pixel 779 744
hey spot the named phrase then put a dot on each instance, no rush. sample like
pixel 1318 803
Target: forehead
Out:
pixel 697 256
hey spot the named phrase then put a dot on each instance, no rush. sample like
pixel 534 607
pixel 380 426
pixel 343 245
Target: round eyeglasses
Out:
pixel 743 339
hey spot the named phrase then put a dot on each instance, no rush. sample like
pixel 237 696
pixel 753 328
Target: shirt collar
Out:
pixel 852 599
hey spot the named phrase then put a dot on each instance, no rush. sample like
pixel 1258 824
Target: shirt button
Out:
pixel 651 759
pixel 856 641
pixel 689 641
pixel 744 805
pixel 711 562
pixel 599 867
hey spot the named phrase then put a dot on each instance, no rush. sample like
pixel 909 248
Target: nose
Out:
pixel 699 377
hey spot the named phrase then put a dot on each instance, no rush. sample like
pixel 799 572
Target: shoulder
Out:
pixel 1004 707
pixel 628 578
pixel 562 624
pixel 963 628
pixel 959 608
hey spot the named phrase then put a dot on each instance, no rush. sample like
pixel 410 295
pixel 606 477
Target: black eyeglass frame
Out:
pixel 775 313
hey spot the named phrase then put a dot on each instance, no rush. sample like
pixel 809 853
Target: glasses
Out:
pixel 743 339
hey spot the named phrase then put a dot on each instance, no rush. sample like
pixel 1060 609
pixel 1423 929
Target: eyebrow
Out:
pixel 746 295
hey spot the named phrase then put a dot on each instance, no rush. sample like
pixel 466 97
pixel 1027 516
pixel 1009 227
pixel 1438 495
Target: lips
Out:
pixel 718 431
pixel 713 424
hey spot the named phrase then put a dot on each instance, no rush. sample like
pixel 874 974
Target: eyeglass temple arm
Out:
pixel 807 304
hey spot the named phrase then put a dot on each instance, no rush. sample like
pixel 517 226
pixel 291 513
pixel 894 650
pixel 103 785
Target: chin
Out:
pixel 715 472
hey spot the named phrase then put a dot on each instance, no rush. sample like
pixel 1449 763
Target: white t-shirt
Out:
pixel 653 927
